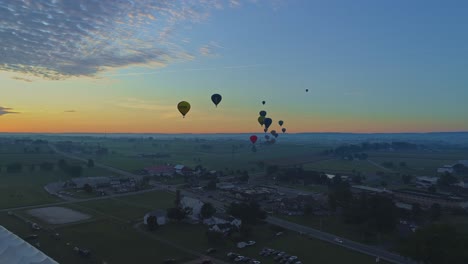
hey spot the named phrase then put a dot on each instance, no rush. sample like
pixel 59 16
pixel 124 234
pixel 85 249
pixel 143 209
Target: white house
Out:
pixel 160 217
pixel 222 223
pixel 445 169
pixel 179 168
pixel 193 203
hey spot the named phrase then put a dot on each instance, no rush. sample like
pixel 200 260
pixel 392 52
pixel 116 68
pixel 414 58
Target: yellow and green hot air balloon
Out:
pixel 184 108
pixel 261 120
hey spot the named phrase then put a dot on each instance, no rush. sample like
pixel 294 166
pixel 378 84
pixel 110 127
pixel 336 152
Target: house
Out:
pixel 95 182
pixel 445 169
pixel 161 170
pixel 357 189
pixel 179 168
pixel 194 204
pixel 425 181
pixel 183 170
pixel 223 223
pixel 159 214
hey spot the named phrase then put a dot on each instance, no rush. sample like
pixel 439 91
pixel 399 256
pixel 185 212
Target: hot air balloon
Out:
pixel 261 120
pixel 284 130
pixel 263 102
pixel 263 113
pixel 267 137
pixel 273 132
pixel 253 139
pixel 216 99
pixel 281 122
pixel 184 108
pixel 267 122
pixel 307 90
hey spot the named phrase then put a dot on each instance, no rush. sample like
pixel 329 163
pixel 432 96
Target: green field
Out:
pixel 308 250
pixel 108 241
pixel 342 166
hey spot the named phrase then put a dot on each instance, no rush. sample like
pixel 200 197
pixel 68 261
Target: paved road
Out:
pixel 369 250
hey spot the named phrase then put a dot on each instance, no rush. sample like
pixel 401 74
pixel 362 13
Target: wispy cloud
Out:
pixel 6 110
pixel 210 49
pixel 69 111
pixel 58 39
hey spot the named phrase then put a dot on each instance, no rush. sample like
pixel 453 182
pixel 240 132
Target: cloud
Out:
pixel 69 111
pixel 21 79
pixel 6 110
pixel 57 39
pixel 210 49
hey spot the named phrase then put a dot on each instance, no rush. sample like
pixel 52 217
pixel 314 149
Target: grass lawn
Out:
pixel 107 240
pixel 130 208
pixel 342 166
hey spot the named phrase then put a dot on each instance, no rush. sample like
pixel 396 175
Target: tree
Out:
pixel 177 199
pixel 178 214
pixel 211 185
pixel 271 169
pixel 402 164
pixel 250 213
pixel 62 164
pixel 207 210
pixel 416 213
pixel 14 167
pixel 406 178
pixel 436 244
pixel 88 188
pixel 90 163
pixel 152 223
pixel 447 179
pixel 432 189
pixel 435 211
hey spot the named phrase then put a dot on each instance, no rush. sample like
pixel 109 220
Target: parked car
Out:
pixel 251 243
pixel 239 258
pixel 338 240
pixel 210 250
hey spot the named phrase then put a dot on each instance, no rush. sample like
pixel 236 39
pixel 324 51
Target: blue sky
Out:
pixel 370 66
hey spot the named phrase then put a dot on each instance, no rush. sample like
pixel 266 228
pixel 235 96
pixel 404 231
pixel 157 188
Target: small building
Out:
pixel 95 182
pixel 357 189
pixel 427 199
pixel 223 223
pixel 183 170
pixel 194 204
pixel 160 215
pixel 445 169
pixel 425 181
pixel 161 170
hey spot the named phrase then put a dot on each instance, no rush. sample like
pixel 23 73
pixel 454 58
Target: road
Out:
pixel 352 245
pixel 369 250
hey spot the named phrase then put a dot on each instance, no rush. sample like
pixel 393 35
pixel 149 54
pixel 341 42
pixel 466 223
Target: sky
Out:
pixel 122 67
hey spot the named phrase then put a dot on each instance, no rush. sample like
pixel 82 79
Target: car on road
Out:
pixel 338 240
pixel 251 243
pixel 239 258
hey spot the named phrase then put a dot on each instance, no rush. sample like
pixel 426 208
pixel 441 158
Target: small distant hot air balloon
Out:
pixel 216 99
pixel 284 130
pixel 267 122
pixel 307 90
pixel 261 120
pixel 263 113
pixel 263 102
pixel 281 122
pixel 253 139
pixel 273 132
pixel 184 108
